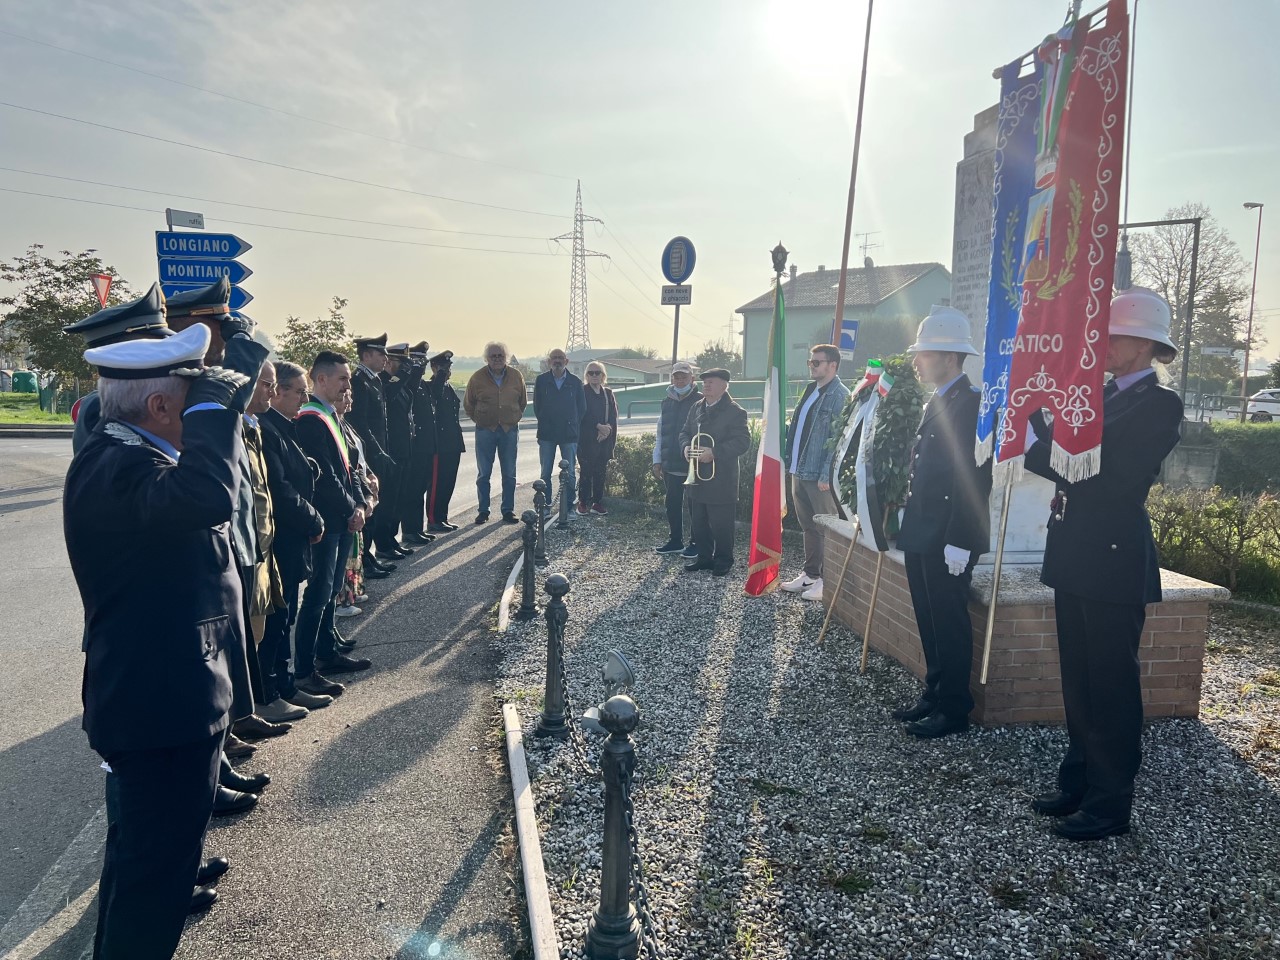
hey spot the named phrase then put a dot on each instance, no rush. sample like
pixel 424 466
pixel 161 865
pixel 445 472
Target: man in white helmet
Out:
pixel 1100 559
pixel 945 525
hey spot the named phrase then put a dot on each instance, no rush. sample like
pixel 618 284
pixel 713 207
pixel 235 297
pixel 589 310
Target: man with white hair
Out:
pixel 495 400
pixel 154 489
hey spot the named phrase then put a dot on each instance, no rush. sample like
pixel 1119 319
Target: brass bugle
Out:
pixel 700 472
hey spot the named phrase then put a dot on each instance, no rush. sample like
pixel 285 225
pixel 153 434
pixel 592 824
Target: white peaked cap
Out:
pixel 181 354
pixel 945 330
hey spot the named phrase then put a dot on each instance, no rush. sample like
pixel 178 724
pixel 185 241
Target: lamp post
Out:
pixel 1248 336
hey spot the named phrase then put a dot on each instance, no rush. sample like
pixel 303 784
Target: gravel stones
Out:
pixel 782 813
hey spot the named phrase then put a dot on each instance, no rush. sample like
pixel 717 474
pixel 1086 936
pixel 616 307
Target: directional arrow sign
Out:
pixel 209 246
pixel 240 297
pixel 176 270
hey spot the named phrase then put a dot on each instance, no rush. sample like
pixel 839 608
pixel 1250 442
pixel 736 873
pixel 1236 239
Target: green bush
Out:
pixel 1248 456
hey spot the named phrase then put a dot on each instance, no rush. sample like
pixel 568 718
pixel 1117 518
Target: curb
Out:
pixel 36 431
pixel 508 592
pixel 542 927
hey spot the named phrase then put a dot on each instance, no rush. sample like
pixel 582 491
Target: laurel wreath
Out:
pixel 1010 243
pixel 1075 197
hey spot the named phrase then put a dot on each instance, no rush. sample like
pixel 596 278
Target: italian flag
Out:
pixel 771 491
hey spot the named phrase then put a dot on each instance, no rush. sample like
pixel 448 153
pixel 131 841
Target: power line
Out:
pixel 273 226
pixel 279 166
pixel 278 110
pixel 250 206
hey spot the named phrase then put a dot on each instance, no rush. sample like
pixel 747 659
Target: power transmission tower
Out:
pixel 579 328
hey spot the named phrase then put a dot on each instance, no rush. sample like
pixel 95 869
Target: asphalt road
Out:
pixel 384 830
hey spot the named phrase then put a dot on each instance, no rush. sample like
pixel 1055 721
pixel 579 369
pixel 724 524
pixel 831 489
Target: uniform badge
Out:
pixel 118 431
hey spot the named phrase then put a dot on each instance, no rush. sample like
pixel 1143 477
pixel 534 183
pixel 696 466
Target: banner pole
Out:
pixel 826 621
pixel 871 605
pixel 995 576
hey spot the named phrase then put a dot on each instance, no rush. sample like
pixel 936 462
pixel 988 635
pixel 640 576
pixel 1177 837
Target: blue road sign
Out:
pixel 240 297
pixel 208 246
pixel 677 260
pixel 848 336
pixel 175 270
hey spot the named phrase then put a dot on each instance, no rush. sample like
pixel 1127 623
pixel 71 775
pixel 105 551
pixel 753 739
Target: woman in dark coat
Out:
pixel 596 440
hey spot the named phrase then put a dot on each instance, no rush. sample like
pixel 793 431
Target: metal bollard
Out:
pixel 540 506
pixel 552 721
pixel 614 930
pixel 528 607
pixel 563 522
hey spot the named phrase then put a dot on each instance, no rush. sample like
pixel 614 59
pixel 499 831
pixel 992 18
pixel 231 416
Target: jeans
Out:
pixel 547 454
pixel 674 483
pixel 503 444
pixel 273 651
pixel 313 635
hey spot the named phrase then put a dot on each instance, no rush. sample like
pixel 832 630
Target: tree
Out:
pixel 636 353
pixel 1162 261
pixel 1218 322
pixel 53 292
pixel 303 339
pixel 1274 382
pixel 717 353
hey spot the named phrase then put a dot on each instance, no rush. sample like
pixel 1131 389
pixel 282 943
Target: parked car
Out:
pixel 1264 406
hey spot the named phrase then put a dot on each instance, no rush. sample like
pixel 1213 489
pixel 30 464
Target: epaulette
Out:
pixel 122 434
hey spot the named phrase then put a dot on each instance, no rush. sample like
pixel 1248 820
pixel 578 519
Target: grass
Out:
pixel 25 408
pixel 1009 896
pixel 851 883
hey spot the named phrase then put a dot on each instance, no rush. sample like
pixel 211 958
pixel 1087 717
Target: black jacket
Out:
pixel 424 425
pixel 726 422
pixel 291 475
pixel 1102 548
pixel 671 421
pixel 368 417
pixel 948 494
pixel 150 549
pixel 448 407
pixel 559 411
pixel 398 391
pixel 337 494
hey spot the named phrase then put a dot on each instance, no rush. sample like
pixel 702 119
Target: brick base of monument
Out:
pixel 1024 683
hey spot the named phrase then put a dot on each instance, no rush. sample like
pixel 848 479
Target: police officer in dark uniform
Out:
pixel 413 516
pixel 138 319
pixel 714 501
pixel 450 443
pixel 132 503
pixel 1100 559
pixel 400 380
pixel 945 524
pixel 368 417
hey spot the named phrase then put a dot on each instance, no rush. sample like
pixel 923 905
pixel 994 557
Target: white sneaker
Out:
pixel 348 611
pixel 814 592
pixel 799 584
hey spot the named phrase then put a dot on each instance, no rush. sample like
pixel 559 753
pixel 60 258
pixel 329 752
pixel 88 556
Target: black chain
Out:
pixel 648 925
pixel 576 737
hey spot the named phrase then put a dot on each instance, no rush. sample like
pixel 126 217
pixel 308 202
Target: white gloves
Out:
pixel 956 558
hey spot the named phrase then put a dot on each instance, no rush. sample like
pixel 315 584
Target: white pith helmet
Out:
pixel 945 330
pixel 1139 312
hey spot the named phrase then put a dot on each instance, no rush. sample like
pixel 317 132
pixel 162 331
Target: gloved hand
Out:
pixel 956 558
pixel 218 385
pixel 230 326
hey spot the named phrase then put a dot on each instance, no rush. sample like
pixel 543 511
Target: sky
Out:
pixel 730 123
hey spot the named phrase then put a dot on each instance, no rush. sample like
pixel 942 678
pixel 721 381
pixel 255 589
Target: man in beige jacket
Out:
pixel 495 400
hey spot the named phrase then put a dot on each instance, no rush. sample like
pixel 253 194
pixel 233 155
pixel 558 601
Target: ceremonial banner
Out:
pixel 1014 183
pixel 770 492
pixel 1069 245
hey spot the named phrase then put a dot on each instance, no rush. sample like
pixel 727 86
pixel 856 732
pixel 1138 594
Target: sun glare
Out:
pixel 819 42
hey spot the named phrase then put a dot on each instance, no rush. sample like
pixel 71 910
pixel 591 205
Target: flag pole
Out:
pixel 826 621
pixel 995 574
pixel 838 322
pixel 875 590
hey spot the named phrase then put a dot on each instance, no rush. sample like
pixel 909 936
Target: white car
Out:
pixel 1264 406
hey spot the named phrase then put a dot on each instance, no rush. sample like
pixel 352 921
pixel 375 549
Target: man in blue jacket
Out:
pixel 559 403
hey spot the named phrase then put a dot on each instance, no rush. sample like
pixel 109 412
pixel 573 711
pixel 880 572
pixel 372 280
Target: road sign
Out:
pixel 848 338
pixel 183 218
pixel 678 259
pixel 101 283
pixel 676 295
pixel 209 246
pixel 1216 351
pixel 240 297
pixel 179 270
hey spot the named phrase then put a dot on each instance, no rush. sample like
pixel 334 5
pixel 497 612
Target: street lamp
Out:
pixel 1248 337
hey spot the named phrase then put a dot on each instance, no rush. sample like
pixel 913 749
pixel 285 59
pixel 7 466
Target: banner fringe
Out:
pixel 1001 470
pixel 983 448
pixel 1078 466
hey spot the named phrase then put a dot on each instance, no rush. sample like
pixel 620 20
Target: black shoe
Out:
pixel 370 561
pixel 1083 827
pixel 918 711
pixel 510 518
pixel 386 559
pixel 401 550
pixel 211 870
pixel 320 686
pixel 671 546
pixel 441 527
pixel 254 727
pixel 234 781
pixel 344 645
pixel 449 525
pixel 341 663
pixel 482 518
pixel 1056 804
pixel 375 573
pixel 721 571
pixel 937 725
pixel 696 566
pixel 226 802
pixel 202 900
pixel 235 748
pixel 420 538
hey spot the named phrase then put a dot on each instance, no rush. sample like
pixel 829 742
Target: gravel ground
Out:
pixel 782 813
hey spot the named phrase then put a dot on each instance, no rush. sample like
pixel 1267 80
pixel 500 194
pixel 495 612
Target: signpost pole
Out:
pixel 675 338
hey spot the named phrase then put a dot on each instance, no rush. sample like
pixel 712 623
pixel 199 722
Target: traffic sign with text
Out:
pixel 177 270
pixel 209 246
pixel 240 297
pixel 676 294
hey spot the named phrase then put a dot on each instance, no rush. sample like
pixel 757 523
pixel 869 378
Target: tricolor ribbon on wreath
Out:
pixel 862 427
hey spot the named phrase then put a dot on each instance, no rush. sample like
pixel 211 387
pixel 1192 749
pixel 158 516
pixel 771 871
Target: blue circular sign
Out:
pixel 678 259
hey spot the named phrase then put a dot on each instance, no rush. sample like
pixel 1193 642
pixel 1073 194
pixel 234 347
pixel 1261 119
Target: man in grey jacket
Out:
pixel 808 458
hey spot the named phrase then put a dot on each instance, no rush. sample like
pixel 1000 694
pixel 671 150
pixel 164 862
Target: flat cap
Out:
pixel 719 372
pixel 442 358
pixel 210 301
pixel 181 354
pixel 134 320
pixel 372 343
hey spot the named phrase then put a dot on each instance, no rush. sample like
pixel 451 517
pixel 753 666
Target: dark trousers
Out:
pixel 158 806
pixel 713 532
pixel 385 521
pixel 444 477
pixel 313 636
pixel 273 651
pixel 593 462
pixel 413 509
pixel 674 483
pixel 1102 693
pixel 246 681
pixel 941 603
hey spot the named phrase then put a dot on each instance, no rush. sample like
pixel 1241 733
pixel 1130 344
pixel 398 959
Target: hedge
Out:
pixel 1248 456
